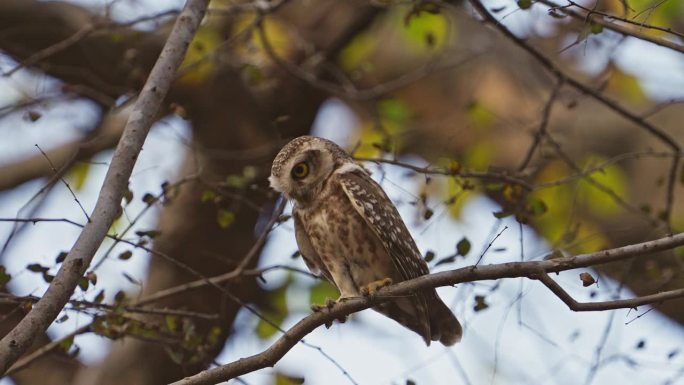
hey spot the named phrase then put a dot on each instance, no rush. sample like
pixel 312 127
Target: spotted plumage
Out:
pixel 349 232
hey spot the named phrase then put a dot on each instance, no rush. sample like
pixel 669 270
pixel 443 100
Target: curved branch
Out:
pixel 530 269
pixel 108 203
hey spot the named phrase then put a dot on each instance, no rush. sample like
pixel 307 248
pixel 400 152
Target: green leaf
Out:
pixel 426 30
pixel 66 343
pixel 61 257
pixel 596 28
pixel 208 196
pixel 128 195
pixel 525 4
pixel 429 256
pixel 394 110
pixel 463 246
pixel 149 198
pixel 284 379
pixel 611 177
pixel 78 174
pixel 126 255
pixel 171 322
pixel 322 291
pixel 225 218
pixel 236 181
pixel 445 260
pixel 37 268
pixel 83 283
pixel 4 276
pixel 480 303
pixel 536 206
pixel 32 116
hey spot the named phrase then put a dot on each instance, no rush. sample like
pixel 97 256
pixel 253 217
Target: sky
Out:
pixel 525 339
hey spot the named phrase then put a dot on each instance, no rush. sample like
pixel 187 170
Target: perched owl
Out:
pixel 349 232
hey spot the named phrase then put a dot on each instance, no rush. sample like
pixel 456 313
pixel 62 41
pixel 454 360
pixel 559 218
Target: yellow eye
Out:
pixel 300 170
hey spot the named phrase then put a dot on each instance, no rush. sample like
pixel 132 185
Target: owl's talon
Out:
pixel 318 308
pixel 329 303
pixel 342 319
pixel 373 287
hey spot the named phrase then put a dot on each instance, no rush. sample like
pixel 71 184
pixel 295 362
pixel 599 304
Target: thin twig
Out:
pixel 484 175
pixel 541 131
pixel 52 167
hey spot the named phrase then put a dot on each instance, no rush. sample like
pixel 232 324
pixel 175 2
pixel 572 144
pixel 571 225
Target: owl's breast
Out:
pixel 345 243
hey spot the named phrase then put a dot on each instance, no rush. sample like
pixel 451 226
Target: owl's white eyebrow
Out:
pixel 348 167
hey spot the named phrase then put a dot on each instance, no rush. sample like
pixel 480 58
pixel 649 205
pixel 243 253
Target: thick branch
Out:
pixel 531 269
pixel 108 203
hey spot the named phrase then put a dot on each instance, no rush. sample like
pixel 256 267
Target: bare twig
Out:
pixel 530 269
pixel 604 19
pixel 607 305
pixel 541 131
pixel 19 339
pixel 57 172
pixel 484 175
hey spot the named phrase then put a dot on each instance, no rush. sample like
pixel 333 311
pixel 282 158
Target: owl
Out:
pixel 349 232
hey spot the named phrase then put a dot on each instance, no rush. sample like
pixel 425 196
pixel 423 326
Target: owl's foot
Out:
pixel 329 303
pixel 373 287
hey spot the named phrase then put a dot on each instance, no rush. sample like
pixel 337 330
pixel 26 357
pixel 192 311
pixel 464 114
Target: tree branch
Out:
pixel 603 19
pixel 108 203
pixel 531 269
pixel 606 305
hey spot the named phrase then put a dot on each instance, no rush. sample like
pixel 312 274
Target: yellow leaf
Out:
pixel 425 31
pixel 357 52
pixel 77 175
pixel 199 63
pixel 612 178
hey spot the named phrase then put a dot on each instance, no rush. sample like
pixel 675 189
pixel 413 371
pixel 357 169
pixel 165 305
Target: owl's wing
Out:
pixel 309 254
pixel 371 202
pixel 379 213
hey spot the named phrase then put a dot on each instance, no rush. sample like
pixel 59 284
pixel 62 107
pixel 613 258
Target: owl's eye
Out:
pixel 300 170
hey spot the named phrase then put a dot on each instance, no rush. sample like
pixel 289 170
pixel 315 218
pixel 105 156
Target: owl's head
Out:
pixel 303 165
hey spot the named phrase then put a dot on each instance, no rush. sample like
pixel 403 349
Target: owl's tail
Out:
pixel 444 327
